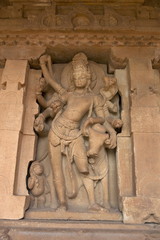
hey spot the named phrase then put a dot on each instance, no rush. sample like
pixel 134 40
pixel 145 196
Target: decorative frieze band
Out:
pixel 78 39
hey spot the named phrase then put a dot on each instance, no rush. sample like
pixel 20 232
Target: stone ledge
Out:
pixel 52 214
pixel 60 230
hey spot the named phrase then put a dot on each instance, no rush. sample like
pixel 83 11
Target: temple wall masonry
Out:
pixel 80 119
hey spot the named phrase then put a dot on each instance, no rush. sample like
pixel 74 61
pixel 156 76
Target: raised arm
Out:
pixel 57 87
pixel 50 67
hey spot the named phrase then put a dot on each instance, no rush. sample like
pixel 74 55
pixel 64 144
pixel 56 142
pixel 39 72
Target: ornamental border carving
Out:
pixel 80 38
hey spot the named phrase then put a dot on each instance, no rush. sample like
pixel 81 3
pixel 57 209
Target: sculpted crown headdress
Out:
pixel 80 61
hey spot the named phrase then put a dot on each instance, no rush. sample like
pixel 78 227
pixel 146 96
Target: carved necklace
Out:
pixel 86 92
pixel 81 94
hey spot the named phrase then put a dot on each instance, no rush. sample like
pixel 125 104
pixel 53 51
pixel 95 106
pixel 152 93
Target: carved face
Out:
pixel 117 123
pixel 112 81
pixel 109 81
pixel 81 77
pixel 38 169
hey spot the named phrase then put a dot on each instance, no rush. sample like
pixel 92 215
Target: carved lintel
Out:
pixel 116 63
pixel 52 15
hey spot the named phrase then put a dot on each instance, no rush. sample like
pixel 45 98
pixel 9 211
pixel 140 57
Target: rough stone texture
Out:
pixel 125 35
pixel 11 107
pixel 106 15
pixel 28 136
pixel 62 230
pixel 125 166
pixel 123 84
pixel 145 119
pixel 147 168
pixel 81 216
pixel 144 94
pixel 141 210
pixel 144 114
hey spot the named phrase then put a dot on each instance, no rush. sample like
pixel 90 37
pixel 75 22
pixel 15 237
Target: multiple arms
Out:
pixel 44 60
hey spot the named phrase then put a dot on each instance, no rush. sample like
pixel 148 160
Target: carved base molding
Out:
pixel 60 230
pixel 44 214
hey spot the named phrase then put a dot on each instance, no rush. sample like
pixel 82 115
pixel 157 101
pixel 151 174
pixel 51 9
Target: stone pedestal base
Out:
pixel 14 206
pixel 44 214
pixel 60 230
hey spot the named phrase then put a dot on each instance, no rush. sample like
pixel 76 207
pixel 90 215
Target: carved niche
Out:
pixel 79 118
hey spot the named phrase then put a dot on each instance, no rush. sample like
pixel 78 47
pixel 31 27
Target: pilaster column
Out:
pixel 144 206
pixel 11 117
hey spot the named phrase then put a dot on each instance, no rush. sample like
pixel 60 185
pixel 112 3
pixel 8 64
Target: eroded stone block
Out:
pixel 11 108
pixel 28 136
pixel 13 207
pixel 145 119
pixel 147 167
pixel 124 166
pixel 141 210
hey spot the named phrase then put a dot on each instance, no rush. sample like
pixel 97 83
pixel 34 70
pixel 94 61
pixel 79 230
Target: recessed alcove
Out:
pixel 61 56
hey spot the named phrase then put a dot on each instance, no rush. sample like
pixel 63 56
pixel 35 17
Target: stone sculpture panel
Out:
pixel 77 126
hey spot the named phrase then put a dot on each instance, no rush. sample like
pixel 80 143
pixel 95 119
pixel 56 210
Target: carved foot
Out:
pixel 107 206
pixel 61 208
pixel 97 208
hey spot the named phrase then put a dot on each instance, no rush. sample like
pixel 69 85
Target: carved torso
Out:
pixel 77 106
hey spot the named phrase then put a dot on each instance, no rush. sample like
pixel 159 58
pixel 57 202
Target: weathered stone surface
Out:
pixel 21 52
pixel 13 207
pixel 145 119
pixel 93 186
pixel 125 166
pixel 130 15
pixel 93 216
pixel 141 210
pixel 142 75
pixel 61 230
pixel 28 136
pixel 123 85
pixel 11 107
pixel 147 168
pixel 1 71
pixel 62 29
